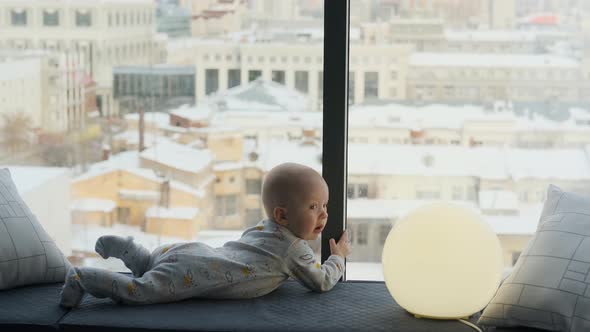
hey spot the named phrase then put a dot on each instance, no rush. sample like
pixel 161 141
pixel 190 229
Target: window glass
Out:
pixel 460 101
pixel 162 132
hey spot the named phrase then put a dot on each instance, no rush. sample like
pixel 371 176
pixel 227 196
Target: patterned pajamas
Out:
pixel 264 257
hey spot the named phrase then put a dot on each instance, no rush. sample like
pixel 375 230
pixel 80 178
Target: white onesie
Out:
pixel 264 257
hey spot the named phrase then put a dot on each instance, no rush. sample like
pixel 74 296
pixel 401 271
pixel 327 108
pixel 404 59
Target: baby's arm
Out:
pixel 313 275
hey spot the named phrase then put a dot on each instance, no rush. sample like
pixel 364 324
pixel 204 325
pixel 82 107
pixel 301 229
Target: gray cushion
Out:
pixel 548 287
pixel 349 306
pixel 27 254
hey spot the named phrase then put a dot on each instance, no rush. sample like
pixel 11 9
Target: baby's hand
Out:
pixel 342 248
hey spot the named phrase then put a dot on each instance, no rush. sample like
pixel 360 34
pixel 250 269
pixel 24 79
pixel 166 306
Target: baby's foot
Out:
pixel 112 246
pixel 72 291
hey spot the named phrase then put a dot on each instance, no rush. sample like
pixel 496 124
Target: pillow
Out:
pixel 27 254
pixel 549 286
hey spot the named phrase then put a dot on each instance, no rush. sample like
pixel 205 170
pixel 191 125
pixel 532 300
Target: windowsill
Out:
pixel 358 305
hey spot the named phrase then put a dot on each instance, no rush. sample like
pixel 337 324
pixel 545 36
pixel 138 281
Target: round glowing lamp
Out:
pixel 442 261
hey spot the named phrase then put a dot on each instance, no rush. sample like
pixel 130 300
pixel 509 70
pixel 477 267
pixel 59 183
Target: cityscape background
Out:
pixel 159 119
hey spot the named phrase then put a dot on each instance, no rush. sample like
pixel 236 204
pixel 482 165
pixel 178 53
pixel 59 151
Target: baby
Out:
pixel 295 199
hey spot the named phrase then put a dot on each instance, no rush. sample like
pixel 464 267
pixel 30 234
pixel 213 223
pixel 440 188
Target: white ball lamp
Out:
pixel 442 261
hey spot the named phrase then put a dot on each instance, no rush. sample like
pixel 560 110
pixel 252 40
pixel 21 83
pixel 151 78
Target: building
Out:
pixel 376 71
pixel 173 20
pixel 451 77
pixel 103 33
pixel 157 87
pixel 50 87
pixel 114 193
pixel 216 18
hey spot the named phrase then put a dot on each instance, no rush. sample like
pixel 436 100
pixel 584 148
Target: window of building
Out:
pixel 371 85
pixel 362 234
pixel 226 205
pixel 18 17
pixel 384 232
pixel 278 76
pixel 363 190
pixel 234 78
pixel 254 74
pixel 50 17
pixel 427 194
pixel 211 80
pixel 302 81
pixel 83 18
pixel 457 193
pixel 253 186
pixel 359 190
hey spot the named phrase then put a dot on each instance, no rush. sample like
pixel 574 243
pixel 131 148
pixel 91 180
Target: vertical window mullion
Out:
pixel 335 117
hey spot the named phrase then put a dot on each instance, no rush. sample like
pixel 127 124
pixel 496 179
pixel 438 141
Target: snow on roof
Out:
pixel 259 95
pixel 378 209
pixel 275 152
pixel 27 178
pixel 498 200
pixel 20 69
pixel 93 205
pixel 227 166
pixel 387 209
pixel 128 162
pixel 193 113
pixel 491 35
pixel 155 118
pixel 268 119
pixel 149 138
pixel 441 116
pixel 562 164
pixel 491 60
pixel 426 160
pixel 483 162
pixel 174 212
pixel 525 223
pixel 179 156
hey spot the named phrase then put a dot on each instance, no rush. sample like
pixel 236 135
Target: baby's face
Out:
pixel 308 211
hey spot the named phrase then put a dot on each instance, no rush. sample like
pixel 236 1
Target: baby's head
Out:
pixel 296 196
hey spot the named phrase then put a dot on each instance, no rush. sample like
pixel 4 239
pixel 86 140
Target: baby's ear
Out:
pixel 280 215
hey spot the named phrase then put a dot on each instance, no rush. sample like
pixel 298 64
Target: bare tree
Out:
pixel 17 129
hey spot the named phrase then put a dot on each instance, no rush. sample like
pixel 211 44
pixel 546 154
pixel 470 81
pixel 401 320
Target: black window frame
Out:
pixel 335 117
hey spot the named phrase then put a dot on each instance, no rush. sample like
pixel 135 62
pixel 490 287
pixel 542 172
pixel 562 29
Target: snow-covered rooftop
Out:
pixel 179 156
pixel 491 60
pixel 174 212
pixel 129 162
pixel 491 35
pixel 523 223
pixel 154 118
pixel 483 162
pixel 198 112
pixel 93 205
pixel 261 95
pixel 498 200
pixel 27 178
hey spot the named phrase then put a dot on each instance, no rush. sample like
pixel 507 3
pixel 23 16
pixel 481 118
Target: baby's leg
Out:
pixel 72 292
pixel 103 283
pixel 134 255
